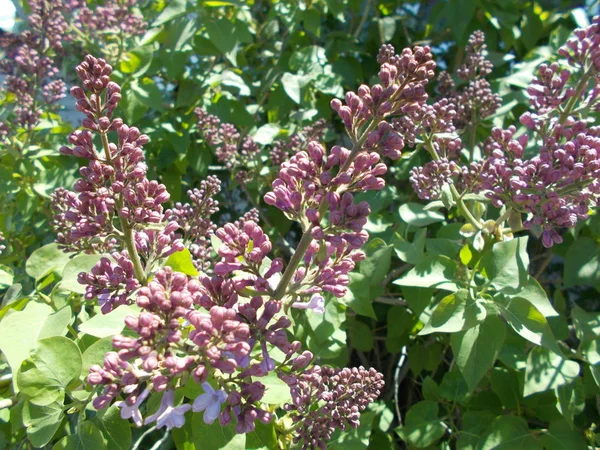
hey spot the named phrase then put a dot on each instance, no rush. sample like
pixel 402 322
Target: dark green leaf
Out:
pixel 422 426
pixel 475 350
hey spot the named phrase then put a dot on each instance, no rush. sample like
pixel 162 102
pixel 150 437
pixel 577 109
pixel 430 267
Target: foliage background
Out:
pixel 270 68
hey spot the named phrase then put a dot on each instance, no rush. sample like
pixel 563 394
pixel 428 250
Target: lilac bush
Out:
pixel 270 260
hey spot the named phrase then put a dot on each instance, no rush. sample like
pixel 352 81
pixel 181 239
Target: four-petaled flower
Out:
pixel 133 411
pixel 210 402
pixel 316 303
pixel 167 415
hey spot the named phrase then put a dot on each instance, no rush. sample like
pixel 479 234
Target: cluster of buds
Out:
pixel 112 22
pixel 114 202
pixel 556 187
pixel 324 399
pixel 281 149
pixel 224 331
pixel 239 154
pixel 475 101
pixel 2 245
pixel 316 184
pixel 172 342
pixel 29 69
pixel 194 220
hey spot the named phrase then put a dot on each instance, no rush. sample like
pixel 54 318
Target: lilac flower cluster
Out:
pixel 322 401
pixel 219 347
pixel 225 331
pixel 238 153
pixel 112 17
pixel 315 183
pixel 554 188
pixel 30 71
pixel 194 221
pixel 475 101
pixel 282 149
pixel 113 200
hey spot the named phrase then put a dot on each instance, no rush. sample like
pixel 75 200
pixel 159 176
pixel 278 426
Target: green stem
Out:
pixel 307 236
pixel 455 194
pixel 573 100
pixel 125 226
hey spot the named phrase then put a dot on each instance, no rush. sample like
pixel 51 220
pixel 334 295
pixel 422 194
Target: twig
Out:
pixel 399 374
pixel 543 265
pixel 363 19
pixel 137 443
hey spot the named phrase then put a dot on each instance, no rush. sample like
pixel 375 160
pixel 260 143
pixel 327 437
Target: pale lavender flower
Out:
pixel 210 402
pixel 168 415
pixel 133 411
pixel 316 303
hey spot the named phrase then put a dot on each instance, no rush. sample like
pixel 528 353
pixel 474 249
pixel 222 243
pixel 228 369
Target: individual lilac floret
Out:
pixel 131 410
pixel 168 415
pixel 316 303
pixel 210 402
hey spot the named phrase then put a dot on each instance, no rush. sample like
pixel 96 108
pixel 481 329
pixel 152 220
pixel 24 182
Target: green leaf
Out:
pixel 361 336
pixel 505 265
pixel 81 263
pixel 454 387
pixel 277 391
pixel 546 370
pixel 587 325
pixel 42 422
pixel 528 322
pixel 44 260
pixel 400 322
pixel 570 400
pixel 508 433
pixel 410 252
pixel 232 79
pixel 475 350
pixel 142 95
pixel 536 295
pixel 354 438
pixel 416 215
pixel 264 437
pixel 310 59
pixel 560 437
pixel 182 262
pixel 582 263
pixel 196 435
pixel 418 298
pixel 175 8
pixel 88 438
pixel 137 62
pixel 95 353
pixel 292 86
pixel 432 272
pixel 359 296
pixel 376 264
pixel 54 363
pixel 116 431
pixel 20 330
pixel 422 426
pixel 455 312
pixel 267 133
pixel 6 275
pixel 103 325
